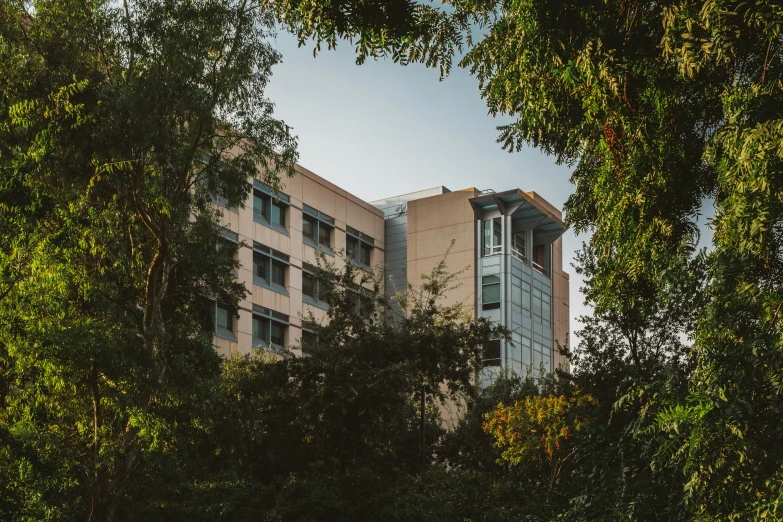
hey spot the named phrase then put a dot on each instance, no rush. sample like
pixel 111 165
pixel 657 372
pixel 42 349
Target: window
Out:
pixel 228 239
pixel 492 353
pixel 525 296
pixel 317 228
pixel 540 258
pixel 518 249
pixel 224 322
pixel 269 207
pixel 516 290
pixel 269 327
pixel 493 242
pixel 311 286
pixel 309 340
pixel 269 268
pixel 358 247
pixel 490 292
pixel 546 310
pixel 541 357
pixel 537 305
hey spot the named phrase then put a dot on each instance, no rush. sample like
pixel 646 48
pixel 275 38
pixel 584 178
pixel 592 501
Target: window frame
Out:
pixel 273 258
pixel 269 318
pixel 320 222
pixel 490 305
pixel 488 233
pixel 270 198
pixel 314 300
pixel 221 331
pixel 487 362
pixel 365 243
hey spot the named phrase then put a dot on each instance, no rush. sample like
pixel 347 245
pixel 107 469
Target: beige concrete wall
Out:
pixel 304 187
pixel 433 223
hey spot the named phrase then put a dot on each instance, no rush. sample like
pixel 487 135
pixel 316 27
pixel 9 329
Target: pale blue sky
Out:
pixel 381 129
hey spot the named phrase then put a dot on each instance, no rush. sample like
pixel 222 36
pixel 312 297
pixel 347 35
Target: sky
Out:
pixel 381 129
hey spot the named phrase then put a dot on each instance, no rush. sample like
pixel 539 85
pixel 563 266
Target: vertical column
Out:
pixel 507 263
pixel 477 270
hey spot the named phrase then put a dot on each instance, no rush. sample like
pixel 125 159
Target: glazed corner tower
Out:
pixel 507 247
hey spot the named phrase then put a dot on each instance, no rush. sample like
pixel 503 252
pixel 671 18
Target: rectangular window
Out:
pixel 493 238
pixel 269 268
pixel 278 334
pixel 260 208
pixel 324 236
pixel 311 286
pixel 492 353
pixel 309 340
pixel 278 273
pixel 308 285
pixel 317 228
pixel 537 305
pixel 490 292
pixel 527 355
pixel 516 290
pixel 260 267
pixel 278 214
pixel 351 247
pixel 546 310
pixel 358 247
pixel 260 330
pixel 518 248
pixel 269 327
pixel 224 322
pixel 309 227
pixel 525 296
pixel 223 318
pixel 269 207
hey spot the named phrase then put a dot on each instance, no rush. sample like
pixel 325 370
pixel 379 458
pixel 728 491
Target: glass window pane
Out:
pixel 223 318
pixel 366 254
pixel 278 273
pixel 351 246
pixel 260 267
pixel 487 237
pixel 260 330
pixel 309 339
pixel 496 235
pixel 516 290
pixel 259 206
pixel 324 235
pixel 308 285
pixel 492 353
pixel 308 227
pixel 490 289
pixel 278 334
pixel 525 296
pixel 278 214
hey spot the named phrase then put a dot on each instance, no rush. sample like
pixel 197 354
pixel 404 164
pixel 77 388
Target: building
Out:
pixel 507 247
pixel 280 233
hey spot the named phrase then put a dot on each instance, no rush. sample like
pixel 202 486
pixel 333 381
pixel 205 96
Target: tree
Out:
pixel 659 106
pixel 117 125
pixel 326 435
pixel 540 428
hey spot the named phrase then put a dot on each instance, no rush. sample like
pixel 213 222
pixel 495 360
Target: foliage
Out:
pixel 540 428
pixel 658 107
pixel 116 125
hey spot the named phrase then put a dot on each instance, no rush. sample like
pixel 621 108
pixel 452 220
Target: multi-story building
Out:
pixel 280 233
pixel 506 248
